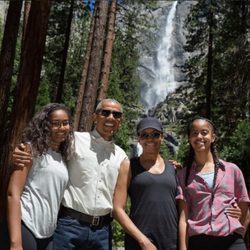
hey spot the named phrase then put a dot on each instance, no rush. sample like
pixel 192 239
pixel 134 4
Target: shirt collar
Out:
pixel 221 166
pixel 97 137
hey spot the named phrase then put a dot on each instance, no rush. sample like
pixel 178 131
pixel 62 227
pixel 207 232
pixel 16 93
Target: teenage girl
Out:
pixel 209 187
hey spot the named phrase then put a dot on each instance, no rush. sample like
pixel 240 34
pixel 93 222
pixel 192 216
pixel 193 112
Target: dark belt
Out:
pixel 97 221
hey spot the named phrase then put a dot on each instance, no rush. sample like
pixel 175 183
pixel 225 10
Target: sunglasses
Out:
pixel 107 113
pixel 154 135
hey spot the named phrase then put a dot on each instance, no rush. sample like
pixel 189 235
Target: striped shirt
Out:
pixel 205 217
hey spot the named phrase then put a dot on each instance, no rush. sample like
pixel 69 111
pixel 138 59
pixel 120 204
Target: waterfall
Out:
pixel 163 77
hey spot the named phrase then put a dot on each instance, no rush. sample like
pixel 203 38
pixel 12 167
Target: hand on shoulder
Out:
pixel 176 164
pixel 21 156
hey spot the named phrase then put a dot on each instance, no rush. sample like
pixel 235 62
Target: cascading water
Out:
pixel 163 68
pixel 161 64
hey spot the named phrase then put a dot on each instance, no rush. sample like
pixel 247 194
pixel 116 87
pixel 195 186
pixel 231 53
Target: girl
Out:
pixel 208 187
pixel 35 192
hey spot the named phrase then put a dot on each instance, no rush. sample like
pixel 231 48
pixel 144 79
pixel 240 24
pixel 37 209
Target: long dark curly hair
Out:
pixel 190 158
pixel 38 132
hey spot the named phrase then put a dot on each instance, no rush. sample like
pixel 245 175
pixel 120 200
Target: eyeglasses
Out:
pixel 107 113
pixel 58 124
pixel 154 135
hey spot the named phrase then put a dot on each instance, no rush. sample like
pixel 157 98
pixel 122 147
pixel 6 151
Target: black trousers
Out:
pixel 4 236
pixel 30 242
pixel 206 242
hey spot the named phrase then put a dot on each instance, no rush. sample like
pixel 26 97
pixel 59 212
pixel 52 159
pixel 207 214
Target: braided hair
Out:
pixel 190 158
pixel 38 132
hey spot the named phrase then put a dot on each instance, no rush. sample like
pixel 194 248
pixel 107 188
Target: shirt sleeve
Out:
pixel 181 185
pixel 240 186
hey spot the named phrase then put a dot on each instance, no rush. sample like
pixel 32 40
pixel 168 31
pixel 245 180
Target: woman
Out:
pixel 35 192
pixel 150 182
pixel 209 186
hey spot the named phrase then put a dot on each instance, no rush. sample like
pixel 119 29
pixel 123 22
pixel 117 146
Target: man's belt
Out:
pixel 97 221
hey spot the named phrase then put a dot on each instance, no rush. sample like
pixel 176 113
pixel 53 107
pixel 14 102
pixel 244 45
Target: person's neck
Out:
pixel 152 162
pixel 54 146
pixel 204 160
pixel 150 158
pixel 105 137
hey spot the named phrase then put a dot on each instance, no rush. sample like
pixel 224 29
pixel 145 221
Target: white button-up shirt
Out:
pixel 93 171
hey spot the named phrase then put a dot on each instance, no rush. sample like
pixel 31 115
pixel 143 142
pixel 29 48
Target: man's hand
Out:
pixel 21 156
pixel 234 211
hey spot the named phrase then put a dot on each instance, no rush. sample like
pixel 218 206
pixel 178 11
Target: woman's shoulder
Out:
pixel 231 168
pixel 227 164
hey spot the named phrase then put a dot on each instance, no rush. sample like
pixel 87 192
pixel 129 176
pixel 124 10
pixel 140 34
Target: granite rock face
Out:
pixel 170 108
pixel 151 63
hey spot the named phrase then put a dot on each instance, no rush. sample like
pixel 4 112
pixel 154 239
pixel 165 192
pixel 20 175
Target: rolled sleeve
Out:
pixel 240 186
pixel 181 185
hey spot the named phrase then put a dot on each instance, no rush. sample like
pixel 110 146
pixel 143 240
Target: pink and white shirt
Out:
pixel 205 216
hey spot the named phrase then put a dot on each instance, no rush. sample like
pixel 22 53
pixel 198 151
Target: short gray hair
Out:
pixel 100 104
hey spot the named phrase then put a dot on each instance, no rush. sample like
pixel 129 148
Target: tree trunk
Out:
pixel 7 58
pixel 209 63
pixel 27 86
pixel 78 110
pixel 65 54
pixel 244 62
pixel 96 55
pixel 108 52
pixel 27 5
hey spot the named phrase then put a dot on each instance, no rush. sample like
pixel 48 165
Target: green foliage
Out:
pixel 54 49
pixel 124 83
pixel 76 52
pixel 183 151
pixel 238 149
pixel 230 65
pixel 54 44
pixel 164 151
pixel 122 137
pixel 118 234
pixel 43 96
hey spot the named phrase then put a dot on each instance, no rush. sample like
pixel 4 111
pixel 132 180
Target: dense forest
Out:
pixel 79 52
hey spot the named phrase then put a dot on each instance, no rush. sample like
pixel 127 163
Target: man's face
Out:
pixel 108 119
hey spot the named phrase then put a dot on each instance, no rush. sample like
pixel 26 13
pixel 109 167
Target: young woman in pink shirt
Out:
pixel 209 188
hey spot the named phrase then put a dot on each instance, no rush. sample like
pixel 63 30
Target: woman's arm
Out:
pixel 15 188
pixel 119 203
pixel 183 232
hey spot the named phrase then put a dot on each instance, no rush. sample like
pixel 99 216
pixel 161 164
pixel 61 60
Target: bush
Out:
pixel 238 149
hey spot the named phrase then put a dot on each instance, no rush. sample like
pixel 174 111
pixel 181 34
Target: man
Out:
pixel 84 220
